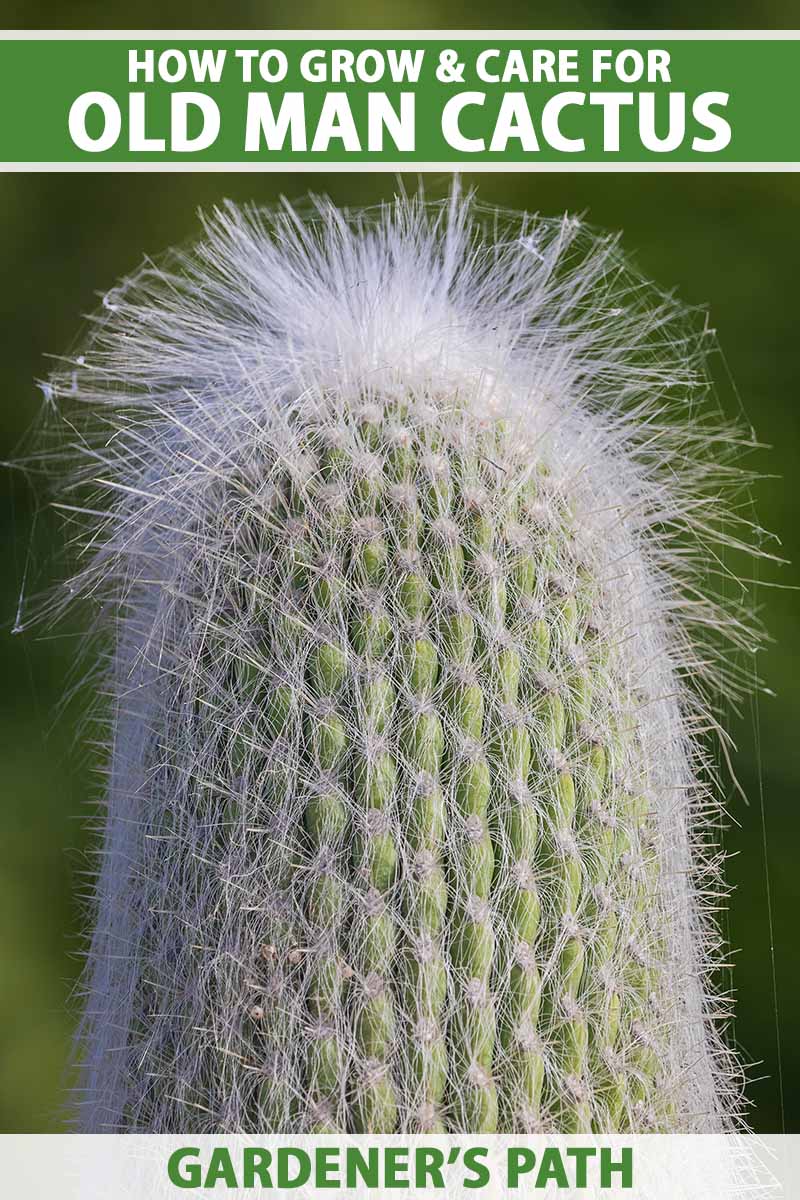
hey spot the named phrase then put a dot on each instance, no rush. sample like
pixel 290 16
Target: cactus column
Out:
pixel 402 556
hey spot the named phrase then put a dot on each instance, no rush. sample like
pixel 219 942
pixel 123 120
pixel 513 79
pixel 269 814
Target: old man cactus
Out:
pixel 403 573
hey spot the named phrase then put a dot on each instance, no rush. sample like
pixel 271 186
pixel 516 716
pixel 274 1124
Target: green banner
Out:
pixel 521 99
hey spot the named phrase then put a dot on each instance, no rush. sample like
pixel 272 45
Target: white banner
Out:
pixel 79 1167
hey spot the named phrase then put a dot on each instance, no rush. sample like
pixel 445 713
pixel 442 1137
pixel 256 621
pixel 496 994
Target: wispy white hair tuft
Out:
pixel 406 529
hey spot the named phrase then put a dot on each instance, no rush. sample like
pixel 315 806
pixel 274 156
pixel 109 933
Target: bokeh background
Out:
pixel 729 241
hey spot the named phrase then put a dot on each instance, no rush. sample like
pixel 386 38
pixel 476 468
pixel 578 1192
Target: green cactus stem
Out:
pixel 408 813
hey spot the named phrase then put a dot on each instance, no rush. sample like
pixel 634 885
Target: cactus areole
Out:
pixel 402 564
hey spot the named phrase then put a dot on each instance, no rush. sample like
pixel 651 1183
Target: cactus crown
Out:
pixel 405 570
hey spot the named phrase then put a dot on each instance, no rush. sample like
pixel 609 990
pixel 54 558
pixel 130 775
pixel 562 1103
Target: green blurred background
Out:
pixel 731 241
